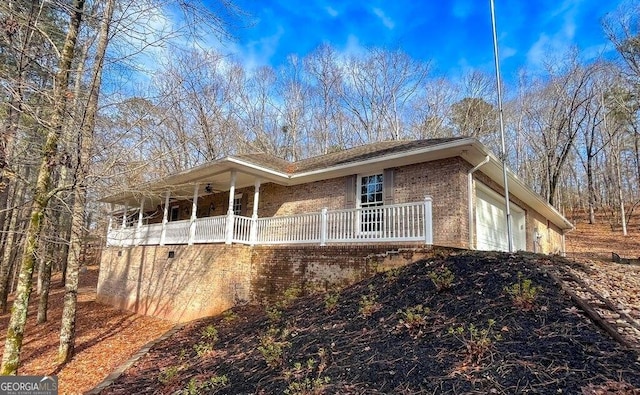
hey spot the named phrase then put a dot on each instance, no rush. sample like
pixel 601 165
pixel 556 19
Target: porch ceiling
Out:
pixel 217 175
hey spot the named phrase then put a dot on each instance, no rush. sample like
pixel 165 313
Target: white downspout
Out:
pixel 470 200
pixel 564 242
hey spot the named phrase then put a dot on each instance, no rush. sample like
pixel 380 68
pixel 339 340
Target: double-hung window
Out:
pixel 370 200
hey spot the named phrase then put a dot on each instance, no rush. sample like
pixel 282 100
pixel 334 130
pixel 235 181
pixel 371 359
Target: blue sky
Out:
pixel 455 35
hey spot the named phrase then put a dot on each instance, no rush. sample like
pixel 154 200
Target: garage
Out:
pixel 491 225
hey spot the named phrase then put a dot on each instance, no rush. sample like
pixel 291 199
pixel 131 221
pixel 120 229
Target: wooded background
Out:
pixel 83 116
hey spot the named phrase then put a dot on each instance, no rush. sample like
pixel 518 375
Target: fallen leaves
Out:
pixel 105 337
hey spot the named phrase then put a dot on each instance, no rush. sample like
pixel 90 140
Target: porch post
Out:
pixel 165 218
pixel 428 220
pixel 110 218
pixel 141 213
pixel 138 231
pixel 232 192
pixel 124 216
pixel 110 222
pixel 194 213
pixel 253 235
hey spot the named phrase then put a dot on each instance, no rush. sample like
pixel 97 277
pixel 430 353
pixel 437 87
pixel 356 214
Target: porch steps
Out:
pixel 620 325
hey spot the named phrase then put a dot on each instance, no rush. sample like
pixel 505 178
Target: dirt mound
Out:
pixel 399 333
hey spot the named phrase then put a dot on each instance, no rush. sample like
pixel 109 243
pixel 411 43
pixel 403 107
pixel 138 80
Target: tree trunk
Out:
pixel 68 327
pixel 623 217
pixel 43 302
pixel 64 224
pixel 41 197
pixel 591 190
pixel 11 240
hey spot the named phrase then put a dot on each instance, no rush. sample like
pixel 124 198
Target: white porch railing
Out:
pixel 210 229
pixel 397 222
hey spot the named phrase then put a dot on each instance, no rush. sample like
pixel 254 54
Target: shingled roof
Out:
pixel 356 154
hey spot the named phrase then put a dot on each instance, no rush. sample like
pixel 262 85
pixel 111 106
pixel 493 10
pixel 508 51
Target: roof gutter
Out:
pixel 470 200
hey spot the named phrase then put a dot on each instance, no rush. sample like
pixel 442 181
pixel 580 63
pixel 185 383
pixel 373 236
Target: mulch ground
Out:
pixel 473 339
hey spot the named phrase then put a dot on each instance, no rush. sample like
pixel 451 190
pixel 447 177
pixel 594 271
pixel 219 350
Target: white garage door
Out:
pixel 491 226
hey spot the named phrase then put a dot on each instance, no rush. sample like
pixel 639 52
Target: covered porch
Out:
pixel 405 222
pixel 130 225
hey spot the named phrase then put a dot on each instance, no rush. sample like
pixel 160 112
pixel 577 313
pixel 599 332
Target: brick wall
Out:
pixel 446 182
pixel 198 281
pixel 277 268
pixel 204 280
pixel 276 200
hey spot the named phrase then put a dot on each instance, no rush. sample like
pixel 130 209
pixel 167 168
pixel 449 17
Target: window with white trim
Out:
pixel 237 204
pixel 370 197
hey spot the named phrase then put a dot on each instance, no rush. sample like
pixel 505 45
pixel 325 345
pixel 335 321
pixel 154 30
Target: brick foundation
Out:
pixel 205 280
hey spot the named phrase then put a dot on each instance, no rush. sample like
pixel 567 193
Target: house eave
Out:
pixel 517 187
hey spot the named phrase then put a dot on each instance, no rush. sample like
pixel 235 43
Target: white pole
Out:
pixel 230 216
pixel 504 149
pixel 253 235
pixel 165 218
pixel 194 215
pixel 110 225
pixel 323 226
pixel 124 216
pixel 138 231
pixel 141 213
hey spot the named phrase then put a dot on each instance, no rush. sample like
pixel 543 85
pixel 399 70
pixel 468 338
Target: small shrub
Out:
pixel 195 387
pixel 210 333
pixel 167 375
pixel 192 388
pixel 477 341
pixel 289 296
pixel 369 303
pixel 392 274
pixel 229 315
pixel 273 314
pixel 216 382
pixel 414 319
pixel 202 348
pixel 307 378
pixel 307 386
pixel 273 345
pixel 209 336
pixel 331 301
pixel 442 278
pixel 523 293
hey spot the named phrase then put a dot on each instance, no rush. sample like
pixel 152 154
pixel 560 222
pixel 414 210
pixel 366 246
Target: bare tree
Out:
pixel 85 149
pixel 326 77
pixel 42 194
pixel 555 116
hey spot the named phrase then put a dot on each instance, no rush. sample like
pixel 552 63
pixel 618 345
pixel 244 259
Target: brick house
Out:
pixel 245 227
